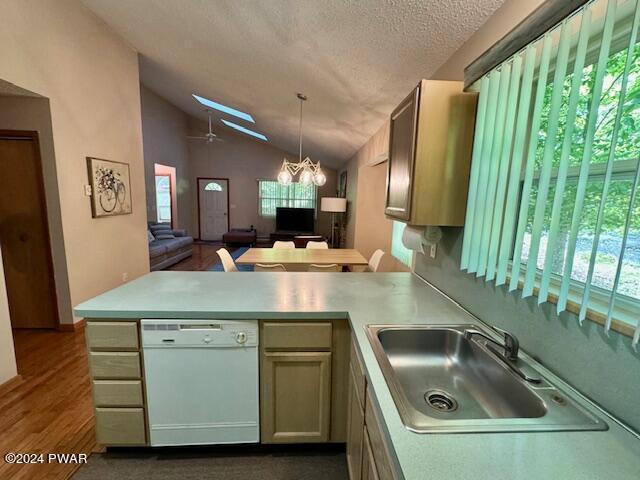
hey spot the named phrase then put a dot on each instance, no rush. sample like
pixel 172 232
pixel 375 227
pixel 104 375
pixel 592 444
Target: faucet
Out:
pixel 511 345
pixel 509 356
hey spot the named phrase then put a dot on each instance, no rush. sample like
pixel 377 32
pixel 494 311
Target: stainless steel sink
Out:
pixel 444 380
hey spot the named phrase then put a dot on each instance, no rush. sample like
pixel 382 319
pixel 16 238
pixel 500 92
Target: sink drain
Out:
pixel 440 400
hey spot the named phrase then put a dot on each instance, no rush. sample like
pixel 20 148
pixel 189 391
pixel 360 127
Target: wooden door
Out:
pixel 402 147
pixel 213 207
pixel 24 233
pixel 295 396
pixel 355 432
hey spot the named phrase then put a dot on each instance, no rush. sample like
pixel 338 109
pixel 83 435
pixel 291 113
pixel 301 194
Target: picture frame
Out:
pixel 110 187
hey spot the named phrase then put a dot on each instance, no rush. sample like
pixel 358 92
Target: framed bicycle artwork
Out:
pixel 110 187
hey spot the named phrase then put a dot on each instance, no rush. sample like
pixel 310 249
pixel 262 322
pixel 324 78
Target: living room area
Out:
pixel 209 185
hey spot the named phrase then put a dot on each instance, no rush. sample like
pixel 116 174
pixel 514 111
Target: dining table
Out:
pixel 301 257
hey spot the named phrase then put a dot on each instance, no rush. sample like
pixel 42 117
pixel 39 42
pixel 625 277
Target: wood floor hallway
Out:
pixel 49 409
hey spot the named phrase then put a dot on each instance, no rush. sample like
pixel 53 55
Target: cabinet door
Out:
pixel 402 146
pixel 295 398
pixel 355 432
pixel 369 471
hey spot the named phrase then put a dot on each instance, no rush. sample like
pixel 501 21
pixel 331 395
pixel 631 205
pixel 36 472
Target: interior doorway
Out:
pixel 24 233
pixel 213 208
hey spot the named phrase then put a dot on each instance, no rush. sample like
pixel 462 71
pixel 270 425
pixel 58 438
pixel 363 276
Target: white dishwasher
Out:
pixel 201 380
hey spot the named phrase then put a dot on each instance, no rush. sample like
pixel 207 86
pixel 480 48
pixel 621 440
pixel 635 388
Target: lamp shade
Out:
pixel 333 204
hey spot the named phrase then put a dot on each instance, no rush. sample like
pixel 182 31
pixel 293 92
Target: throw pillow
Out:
pixel 164 236
pixel 160 226
pixel 150 237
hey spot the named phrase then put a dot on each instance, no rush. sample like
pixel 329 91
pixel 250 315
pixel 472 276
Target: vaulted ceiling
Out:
pixel 355 60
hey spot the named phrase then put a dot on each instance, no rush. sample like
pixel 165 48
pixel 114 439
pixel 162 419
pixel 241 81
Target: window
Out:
pixel 244 130
pixel 553 206
pixel 213 187
pixel 272 195
pixel 163 198
pixel 398 250
pixel 223 108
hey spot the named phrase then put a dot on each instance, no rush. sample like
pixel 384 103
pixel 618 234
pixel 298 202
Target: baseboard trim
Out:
pixel 72 327
pixel 10 384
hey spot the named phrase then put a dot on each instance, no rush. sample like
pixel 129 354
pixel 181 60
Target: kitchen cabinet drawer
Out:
pixel 357 372
pixel 112 335
pixel 114 365
pixel 307 336
pixel 381 456
pixel 295 397
pixel 120 426
pixel 117 393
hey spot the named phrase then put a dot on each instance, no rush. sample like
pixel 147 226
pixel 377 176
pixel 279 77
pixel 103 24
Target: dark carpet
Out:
pixel 217 267
pixel 236 463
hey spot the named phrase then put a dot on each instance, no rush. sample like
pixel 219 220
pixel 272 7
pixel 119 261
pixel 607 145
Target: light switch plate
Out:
pixel 87 190
pixel 432 252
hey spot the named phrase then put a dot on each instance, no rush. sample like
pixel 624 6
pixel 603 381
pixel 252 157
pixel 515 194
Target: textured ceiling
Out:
pixel 355 60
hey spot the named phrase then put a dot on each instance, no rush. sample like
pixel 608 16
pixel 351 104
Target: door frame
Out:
pixel 32 135
pixel 172 207
pixel 228 204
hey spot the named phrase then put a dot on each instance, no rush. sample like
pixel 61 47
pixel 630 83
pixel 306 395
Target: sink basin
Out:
pixel 445 381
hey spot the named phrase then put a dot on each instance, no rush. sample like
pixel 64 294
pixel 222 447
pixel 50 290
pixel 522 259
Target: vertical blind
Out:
pixel 553 203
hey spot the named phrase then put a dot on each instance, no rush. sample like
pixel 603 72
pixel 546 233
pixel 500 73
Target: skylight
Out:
pixel 242 129
pixel 223 108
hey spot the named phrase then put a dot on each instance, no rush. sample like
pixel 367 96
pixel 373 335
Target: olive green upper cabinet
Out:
pixel 430 142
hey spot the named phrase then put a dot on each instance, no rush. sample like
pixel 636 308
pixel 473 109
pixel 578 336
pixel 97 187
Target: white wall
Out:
pixel 243 161
pixel 7 354
pixel 505 19
pixel 164 132
pixel 58 49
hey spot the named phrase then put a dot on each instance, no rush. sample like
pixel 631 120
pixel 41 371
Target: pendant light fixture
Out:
pixel 310 173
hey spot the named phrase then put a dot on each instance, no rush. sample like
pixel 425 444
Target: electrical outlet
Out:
pixel 125 276
pixel 432 253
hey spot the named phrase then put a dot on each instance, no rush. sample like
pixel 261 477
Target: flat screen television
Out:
pixel 294 219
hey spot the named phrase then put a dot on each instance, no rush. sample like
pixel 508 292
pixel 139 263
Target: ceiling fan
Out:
pixel 208 137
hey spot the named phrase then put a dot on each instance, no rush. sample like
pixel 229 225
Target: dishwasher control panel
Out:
pixel 199 333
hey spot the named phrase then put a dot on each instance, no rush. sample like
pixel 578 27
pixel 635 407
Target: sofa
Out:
pixel 167 246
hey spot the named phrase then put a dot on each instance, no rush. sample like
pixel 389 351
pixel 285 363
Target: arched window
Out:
pixel 213 186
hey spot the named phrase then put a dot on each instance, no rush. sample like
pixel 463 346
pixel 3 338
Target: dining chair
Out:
pixel 318 245
pixel 227 260
pixel 281 244
pixel 374 261
pixel 266 267
pixel 332 267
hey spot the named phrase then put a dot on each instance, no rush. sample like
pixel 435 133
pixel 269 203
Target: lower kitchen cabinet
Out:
pixel 367 453
pixel 295 397
pixel 120 426
pixel 355 435
pixel 369 471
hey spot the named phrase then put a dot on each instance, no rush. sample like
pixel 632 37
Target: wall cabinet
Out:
pixel 430 142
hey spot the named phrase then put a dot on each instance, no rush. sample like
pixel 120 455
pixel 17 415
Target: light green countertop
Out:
pixel 380 298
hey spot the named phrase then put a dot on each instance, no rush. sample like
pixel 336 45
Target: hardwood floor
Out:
pixel 204 257
pixel 48 410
